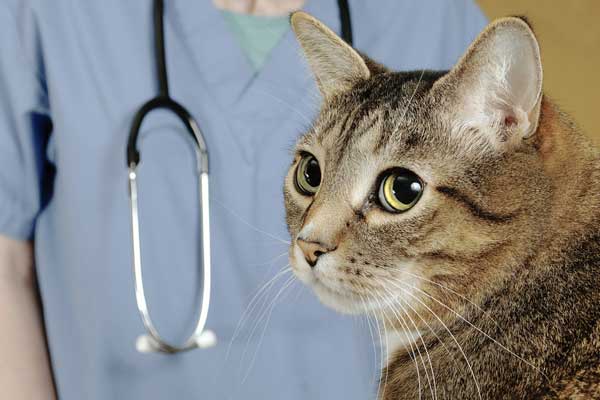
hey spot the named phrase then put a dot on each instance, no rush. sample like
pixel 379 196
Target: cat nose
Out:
pixel 312 250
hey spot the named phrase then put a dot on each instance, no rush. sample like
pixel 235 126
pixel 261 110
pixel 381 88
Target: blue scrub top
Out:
pixel 72 74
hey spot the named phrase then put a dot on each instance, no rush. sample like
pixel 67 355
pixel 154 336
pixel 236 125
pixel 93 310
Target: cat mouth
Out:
pixel 337 296
pixel 340 298
pixel 349 300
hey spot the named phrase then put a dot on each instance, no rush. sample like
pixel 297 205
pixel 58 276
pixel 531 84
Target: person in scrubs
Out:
pixel 72 74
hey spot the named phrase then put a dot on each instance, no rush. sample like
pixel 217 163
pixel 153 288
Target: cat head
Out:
pixel 417 184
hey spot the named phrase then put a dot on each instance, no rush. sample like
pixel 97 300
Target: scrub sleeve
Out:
pixel 24 122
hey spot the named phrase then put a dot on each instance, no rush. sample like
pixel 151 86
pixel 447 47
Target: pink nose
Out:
pixel 312 250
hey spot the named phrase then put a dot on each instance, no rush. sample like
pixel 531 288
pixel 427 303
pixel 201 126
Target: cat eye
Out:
pixel 400 189
pixel 308 175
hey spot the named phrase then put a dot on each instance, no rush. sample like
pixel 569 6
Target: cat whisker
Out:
pixel 399 298
pixel 266 312
pixel 252 305
pixel 248 224
pixel 262 304
pixel 266 305
pixel 298 293
pixel 432 388
pixel 477 329
pixel 272 307
pixel 257 299
pixel 409 102
pixel 413 345
pixel 456 294
pixel 381 351
pixel 383 385
pixel 368 318
pixel 394 310
pixel 269 261
pixel 292 108
pixel 445 327
pixel 441 286
pixel 387 355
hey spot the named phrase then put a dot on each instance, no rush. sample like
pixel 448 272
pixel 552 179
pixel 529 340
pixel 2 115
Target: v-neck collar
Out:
pixel 215 52
pixel 285 70
pixel 225 68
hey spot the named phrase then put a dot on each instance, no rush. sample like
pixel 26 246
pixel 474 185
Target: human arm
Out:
pixel 25 368
pixel 24 363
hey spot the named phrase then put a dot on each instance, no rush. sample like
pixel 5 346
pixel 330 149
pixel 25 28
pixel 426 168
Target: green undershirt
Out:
pixel 256 35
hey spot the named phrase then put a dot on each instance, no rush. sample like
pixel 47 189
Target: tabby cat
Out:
pixel 461 209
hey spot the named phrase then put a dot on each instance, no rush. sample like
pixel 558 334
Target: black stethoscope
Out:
pixel 151 341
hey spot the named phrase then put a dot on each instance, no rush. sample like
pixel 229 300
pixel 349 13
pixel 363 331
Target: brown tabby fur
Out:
pixel 503 248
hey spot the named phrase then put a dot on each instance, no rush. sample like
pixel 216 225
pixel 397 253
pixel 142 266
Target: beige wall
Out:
pixel 569 34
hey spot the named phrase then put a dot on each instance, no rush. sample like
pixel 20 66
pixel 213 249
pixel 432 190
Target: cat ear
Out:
pixel 335 64
pixel 497 85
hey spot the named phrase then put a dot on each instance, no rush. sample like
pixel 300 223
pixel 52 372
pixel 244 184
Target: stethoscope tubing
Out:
pixel 152 341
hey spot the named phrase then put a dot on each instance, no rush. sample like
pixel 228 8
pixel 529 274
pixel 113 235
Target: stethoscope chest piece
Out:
pixel 147 344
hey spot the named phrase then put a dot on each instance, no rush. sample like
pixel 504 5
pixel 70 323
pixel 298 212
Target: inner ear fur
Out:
pixel 335 65
pixel 496 87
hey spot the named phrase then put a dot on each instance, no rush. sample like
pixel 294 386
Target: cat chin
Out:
pixel 340 302
pixel 345 304
pixel 327 296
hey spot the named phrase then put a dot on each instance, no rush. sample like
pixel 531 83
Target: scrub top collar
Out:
pixel 225 70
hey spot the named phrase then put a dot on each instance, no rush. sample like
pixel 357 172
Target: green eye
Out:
pixel 400 190
pixel 308 175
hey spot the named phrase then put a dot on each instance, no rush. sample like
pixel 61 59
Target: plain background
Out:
pixel 569 35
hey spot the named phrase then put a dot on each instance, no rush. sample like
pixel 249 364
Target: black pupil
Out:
pixel 406 188
pixel 312 173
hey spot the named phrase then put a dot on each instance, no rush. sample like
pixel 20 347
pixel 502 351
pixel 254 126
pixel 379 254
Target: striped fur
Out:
pixel 497 267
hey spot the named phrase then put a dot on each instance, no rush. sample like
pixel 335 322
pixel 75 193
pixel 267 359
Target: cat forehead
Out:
pixel 388 113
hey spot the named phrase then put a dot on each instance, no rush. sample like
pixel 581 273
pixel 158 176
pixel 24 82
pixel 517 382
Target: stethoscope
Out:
pixel 151 341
